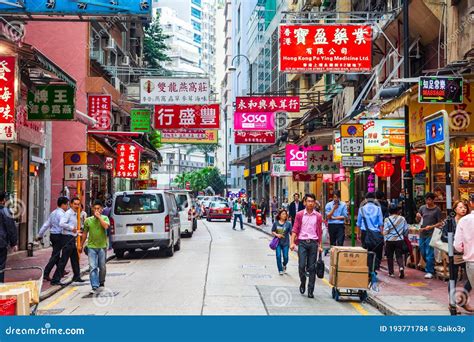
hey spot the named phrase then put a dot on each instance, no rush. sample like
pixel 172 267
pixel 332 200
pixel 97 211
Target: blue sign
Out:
pixel 434 131
pixel 77 7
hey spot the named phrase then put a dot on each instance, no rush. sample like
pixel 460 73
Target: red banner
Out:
pixel 325 48
pixel 255 104
pixel 99 107
pixel 7 98
pixel 304 177
pixel 128 161
pixel 187 116
pixel 252 137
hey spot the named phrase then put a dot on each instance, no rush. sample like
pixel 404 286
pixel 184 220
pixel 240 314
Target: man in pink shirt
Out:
pixel 307 233
pixel 464 240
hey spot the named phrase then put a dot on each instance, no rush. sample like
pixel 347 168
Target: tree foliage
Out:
pixel 154 45
pixel 201 179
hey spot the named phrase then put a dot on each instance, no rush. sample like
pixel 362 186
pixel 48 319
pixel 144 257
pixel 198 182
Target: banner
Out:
pixel 325 48
pixel 140 120
pixel 144 171
pixel 304 177
pixel 256 104
pixel 187 116
pixel 189 136
pixel 279 166
pixel 297 157
pixel 51 102
pixel 320 162
pixel 99 108
pixel 169 91
pixel 7 98
pixel 264 121
pixel 254 137
pixel 128 161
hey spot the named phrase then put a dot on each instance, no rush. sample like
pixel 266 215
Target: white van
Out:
pixel 187 212
pixel 143 220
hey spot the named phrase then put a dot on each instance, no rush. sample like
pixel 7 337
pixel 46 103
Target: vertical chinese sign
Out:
pixel 128 161
pixel 7 98
pixel 140 120
pixel 325 48
pixel 51 102
pixel 99 108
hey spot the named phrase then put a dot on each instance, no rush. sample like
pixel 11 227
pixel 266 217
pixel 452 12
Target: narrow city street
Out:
pixel 218 271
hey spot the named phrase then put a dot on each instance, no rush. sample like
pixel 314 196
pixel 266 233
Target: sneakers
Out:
pixel 284 269
pixel 281 272
pixel 402 273
pixel 391 275
pixel 93 291
pixel 428 276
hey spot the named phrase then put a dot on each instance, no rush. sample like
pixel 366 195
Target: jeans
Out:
pixel 336 234
pixel 427 252
pixel 279 251
pixel 3 262
pixel 97 258
pixel 307 254
pixel 391 248
pixel 57 244
pixel 238 216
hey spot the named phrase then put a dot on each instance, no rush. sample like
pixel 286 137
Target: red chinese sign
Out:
pixel 325 48
pixel 100 109
pixel 128 161
pixel 187 116
pixel 256 104
pixel 304 177
pixel 109 163
pixel 252 137
pixel 466 155
pixel 7 98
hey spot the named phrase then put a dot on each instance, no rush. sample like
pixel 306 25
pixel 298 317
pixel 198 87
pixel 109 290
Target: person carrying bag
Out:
pixel 394 240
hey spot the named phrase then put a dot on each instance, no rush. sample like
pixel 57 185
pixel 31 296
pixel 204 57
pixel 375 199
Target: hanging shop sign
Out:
pixel 264 121
pixel 78 8
pixel 256 104
pixel 434 130
pixel 140 120
pixel 384 169
pixel 187 116
pixel 189 136
pixel 320 162
pixel 7 98
pixel 147 184
pixel 438 89
pixel 168 91
pixel 254 137
pixel 466 155
pixel 99 108
pixel 417 164
pixel 304 177
pixel 128 161
pixel 325 48
pixel 371 182
pixel 297 157
pixel 75 166
pixel 144 171
pixel 109 163
pixel 279 166
pixel 51 102
pixel 352 161
pixel 352 138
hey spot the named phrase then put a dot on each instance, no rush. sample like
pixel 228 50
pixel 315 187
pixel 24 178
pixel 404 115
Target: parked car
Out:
pixel 187 212
pixel 208 200
pixel 143 220
pixel 219 211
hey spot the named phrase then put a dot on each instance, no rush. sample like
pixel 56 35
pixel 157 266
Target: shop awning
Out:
pixel 100 146
pixel 52 67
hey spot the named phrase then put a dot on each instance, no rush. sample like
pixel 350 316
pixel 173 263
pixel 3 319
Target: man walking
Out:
pixel 55 237
pixel 295 207
pixel 336 212
pixel 237 209
pixel 370 227
pixel 8 234
pixel 96 228
pixel 307 233
pixel 430 217
pixel 69 230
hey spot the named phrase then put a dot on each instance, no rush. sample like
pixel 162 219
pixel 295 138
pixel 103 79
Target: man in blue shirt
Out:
pixel 336 212
pixel 370 227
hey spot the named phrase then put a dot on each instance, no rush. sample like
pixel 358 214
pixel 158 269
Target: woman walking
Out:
pixel 282 230
pixel 461 210
pixel 394 230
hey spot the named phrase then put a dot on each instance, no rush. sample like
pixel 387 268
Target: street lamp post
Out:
pixel 249 179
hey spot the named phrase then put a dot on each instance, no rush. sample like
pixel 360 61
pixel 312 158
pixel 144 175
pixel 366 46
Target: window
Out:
pixel 139 204
pixel 182 200
pixel 196 2
pixel 197 38
pixel 196 13
pixel 196 25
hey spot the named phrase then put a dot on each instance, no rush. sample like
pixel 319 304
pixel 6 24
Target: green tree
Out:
pixel 154 45
pixel 201 179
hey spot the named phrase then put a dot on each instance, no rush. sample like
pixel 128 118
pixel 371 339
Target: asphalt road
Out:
pixel 218 271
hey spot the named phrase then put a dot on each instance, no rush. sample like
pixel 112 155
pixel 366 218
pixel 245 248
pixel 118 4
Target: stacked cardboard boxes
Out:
pixel 349 267
pixel 22 296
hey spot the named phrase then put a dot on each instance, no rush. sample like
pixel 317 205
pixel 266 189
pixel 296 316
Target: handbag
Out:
pixel 436 241
pixel 372 238
pixel 405 248
pixel 274 243
pixel 320 266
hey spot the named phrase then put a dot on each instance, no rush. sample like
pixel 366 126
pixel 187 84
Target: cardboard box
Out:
pixel 350 277
pixel 22 296
pixel 348 256
pixel 30 284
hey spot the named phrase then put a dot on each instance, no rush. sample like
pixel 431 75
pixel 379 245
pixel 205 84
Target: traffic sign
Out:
pixel 352 131
pixel 352 161
pixel 75 166
pixel 434 129
pixel 352 138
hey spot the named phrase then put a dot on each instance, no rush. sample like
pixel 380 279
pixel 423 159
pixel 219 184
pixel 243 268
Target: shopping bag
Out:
pixel 436 241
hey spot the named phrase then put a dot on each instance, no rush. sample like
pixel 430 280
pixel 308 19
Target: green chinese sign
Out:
pixel 140 120
pixel 51 102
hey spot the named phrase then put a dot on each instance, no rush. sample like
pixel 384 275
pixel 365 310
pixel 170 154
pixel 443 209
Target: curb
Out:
pixel 372 300
pixel 55 289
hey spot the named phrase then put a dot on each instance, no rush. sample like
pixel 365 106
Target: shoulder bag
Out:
pixel 436 241
pixel 320 266
pixel 407 247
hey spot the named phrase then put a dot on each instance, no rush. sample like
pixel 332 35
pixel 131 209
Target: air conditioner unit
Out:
pixel 110 44
pixel 126 60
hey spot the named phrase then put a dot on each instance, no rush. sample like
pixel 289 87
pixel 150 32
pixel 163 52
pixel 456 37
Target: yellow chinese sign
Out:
pixel 144 171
